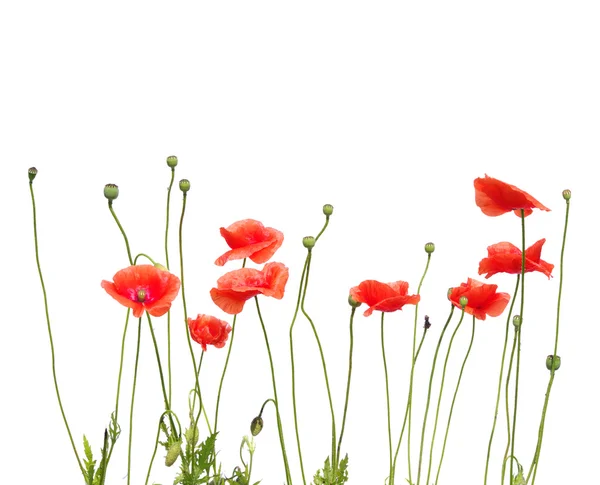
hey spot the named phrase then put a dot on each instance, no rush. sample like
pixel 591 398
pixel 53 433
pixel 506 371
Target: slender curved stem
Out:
pixel 167 263
pixel 112 211
pixel 508 374
pixel 387 396
pixel 156 440
pixel 135 368
pixel 348 384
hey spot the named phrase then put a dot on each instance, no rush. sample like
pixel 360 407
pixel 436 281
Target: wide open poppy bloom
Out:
pixel 495 198
pixel 385 297
pixel 207 330
pixel 505 257
pixel 250 239
pixel 144 287
pixel 236 287
pixel 483 299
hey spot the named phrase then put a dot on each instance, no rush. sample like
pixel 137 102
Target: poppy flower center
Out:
pixel 140 294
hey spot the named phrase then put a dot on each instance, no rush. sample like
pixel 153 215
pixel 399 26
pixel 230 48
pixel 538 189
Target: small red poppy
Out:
pixel 505 257
pixel 483 299
pixel 144 287
pixel 238 286
pixel 495 198
pixel 250 239
pixel 207 330
pixel 385 297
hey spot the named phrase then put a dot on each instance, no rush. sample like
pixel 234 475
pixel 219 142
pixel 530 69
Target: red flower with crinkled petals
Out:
pixel 144 287
pixel 385 297
pixel 236 287
pixel 505 257
pixel 495 198
pixel 482 299
pixel 207 330
pixel 250 239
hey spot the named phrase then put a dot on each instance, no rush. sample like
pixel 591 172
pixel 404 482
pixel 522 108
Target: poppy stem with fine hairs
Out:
pixel 387 398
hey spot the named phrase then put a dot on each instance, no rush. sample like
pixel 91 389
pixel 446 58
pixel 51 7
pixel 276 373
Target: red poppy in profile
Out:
pixel 495 198
pixel 505 257
pixel 144 287
pixel 385 297
pixel 250 239
pixel 236 287
pixel 483 299
pixel 207 330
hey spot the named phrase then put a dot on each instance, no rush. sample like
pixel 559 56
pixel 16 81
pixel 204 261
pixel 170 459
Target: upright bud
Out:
pixel 567 194
pixel 463 300
pixel 309 242
pixel 553 362
pixel 172 161
pixel 256 425
pixel 517 321
pixel 31 173
pixel 353 303
pixel 429 248
pixel 327 209
pixel 184 185
pixel 111 191
pixel 427 323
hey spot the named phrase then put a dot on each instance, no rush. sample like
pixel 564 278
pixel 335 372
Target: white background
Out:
pixel 386 110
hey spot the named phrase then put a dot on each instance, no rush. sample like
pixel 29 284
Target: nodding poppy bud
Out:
pixel 184 185
pixel 567 194
pixel 172 161
pixel 463 301
pixel 111 191
pixel 353 303
pixel 309 242
pixel 31 173
pixel 427 323
pixel 256 425
pixel 173 453
pixel 429 248
pixel 327 209
pixel 553 362
pixel 517 321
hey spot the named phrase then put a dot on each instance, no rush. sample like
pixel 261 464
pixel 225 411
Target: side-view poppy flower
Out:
pixel 385 297
pixel 144 287
pixel 236 287
pixel 505 257
pixel 483 299
pixel 495 198
pixel 250 239
pixel 207 330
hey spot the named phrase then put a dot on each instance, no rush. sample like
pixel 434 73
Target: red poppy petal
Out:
pixel 496 304
pixel 276 275
pixel 244 252
pixel 229 301
pixel 111 289
pixel 276 240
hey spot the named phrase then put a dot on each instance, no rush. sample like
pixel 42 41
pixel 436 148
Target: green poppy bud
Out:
pixel 184 185
pixel 327 209
pixel 463 300
pixel 111 191
pixel 517 321
pixel 31 173
pixel 353 303
pixel 173 453
pixel 553 362
pixel 309 242
pixel 192 435
pixel 172 161
pixel 429 248
pixel 160 266
pixel 256 425
pixel 567 194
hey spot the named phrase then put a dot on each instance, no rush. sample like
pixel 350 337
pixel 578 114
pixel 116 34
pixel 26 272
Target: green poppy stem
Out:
pixel 387 397
pixel 167 264
pixel 156 441
pixel 135 369
pixel 112 211
pixel 508 374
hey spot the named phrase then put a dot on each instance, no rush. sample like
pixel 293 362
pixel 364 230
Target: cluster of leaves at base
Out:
pixel 91 475
pixel 329 476
pixel 196 461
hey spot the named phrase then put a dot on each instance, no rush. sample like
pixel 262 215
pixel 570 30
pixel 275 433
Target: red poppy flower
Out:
pixel 385 297
pixel 483 299
pixel 144 287
pixel 250 239
pixel 505 257
pixel 207 330
pixel 495 198
pixel 236 287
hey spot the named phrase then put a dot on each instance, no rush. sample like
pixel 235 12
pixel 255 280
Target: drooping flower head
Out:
pixel 236 287
pixel 250 239
pixel 483 299
pixel 144 287
pixel 207 330
pixel 495 198
pixel 385 297
pixel 505 257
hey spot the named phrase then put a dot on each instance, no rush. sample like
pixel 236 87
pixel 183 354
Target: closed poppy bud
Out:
pixel 184 185
pixel 327 209
pixel 353 303
pixel 427 323
pixel 173 453
pixel 309 242
pixel 463 301
pixel 192 435
pixel 553 362
pixel 160 266
pixel 517 321
pixel 31 173
pixel 567 194
pixel 429 248
pixel 256 426
pixel 172 161
pixel 111 191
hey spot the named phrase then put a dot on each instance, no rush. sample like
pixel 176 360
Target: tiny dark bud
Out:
pixel 553 362
pixel 517 321
pixel 463 301
pixel 172 161
pixel 309 242
pixel 111 191
pixel 256 426
pixel 327 209
pixel 353 303
pixel 427 323
pixel 31 173
pixel 184 185
pixel 567 194
pixel 429 248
